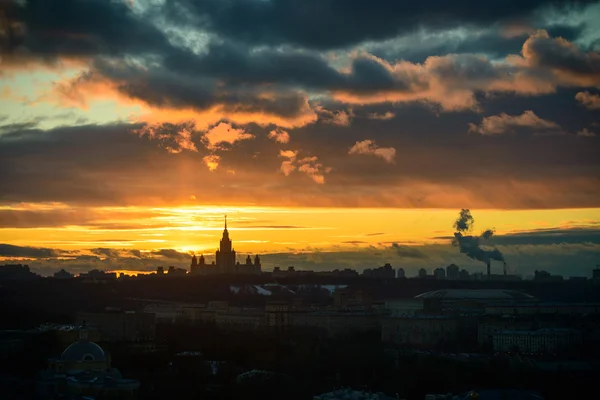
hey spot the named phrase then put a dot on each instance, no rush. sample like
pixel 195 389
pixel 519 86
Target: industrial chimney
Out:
pixel 504 267
pixel 488 267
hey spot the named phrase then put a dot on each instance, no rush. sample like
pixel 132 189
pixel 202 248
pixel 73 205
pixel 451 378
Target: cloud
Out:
pixel 340 117
pixel 287 166
pixel 383 117
pixel 211 161
pixel 7 250
pixel 279 136
pixel 551 236
pixel 116 253
pixel 585 132
pixel 223 133
pixel 589 100
pixel 71 168
pixel 313 169
pixel 336 23
pixel 504 123
pixel 46 30
pixel 172 254
pixel 368 147
pixel 173 138
pixel 308 165
pixel 408 252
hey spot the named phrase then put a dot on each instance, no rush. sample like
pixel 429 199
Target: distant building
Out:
pixel 463 275
pixel 452 272
pixel 476 300
pixel 62 274
pixel 121 326
pixel 544 309
pixel 596 274
pixel 16 272
pixel 347 298
pixel 278 314
pixel 225 261
pixel 492 324
pixel 96 275
pixel 350 394
pixel 439 273
pixel 173 271
pixel 293 272
pixel 489 394
pixel 385 272
pixel 546 276
pixel 422 273
pixel 405 307
pixel 400 273
pixel 419 331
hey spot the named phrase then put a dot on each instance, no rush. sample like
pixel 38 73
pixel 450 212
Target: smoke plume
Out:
pixel 471 245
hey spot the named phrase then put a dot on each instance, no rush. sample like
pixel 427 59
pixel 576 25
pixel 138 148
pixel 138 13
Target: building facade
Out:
pixel 541 341
pixel 419 331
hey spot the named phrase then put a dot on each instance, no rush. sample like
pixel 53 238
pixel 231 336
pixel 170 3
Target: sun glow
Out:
pixel 268 229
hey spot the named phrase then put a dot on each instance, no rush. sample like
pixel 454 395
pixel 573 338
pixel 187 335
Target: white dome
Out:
pixel 83 351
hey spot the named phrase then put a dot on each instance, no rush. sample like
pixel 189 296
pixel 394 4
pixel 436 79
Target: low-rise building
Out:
pixel 489 325
pixel 336 323
pixel 544 308
pixel 404 307
pixel 350 394
pixel 240 319
pixel 419 331
pixel 541 341
pixel 278 314
pixel 121 326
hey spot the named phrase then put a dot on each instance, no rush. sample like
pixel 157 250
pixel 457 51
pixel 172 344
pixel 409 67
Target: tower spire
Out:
pixel 225 221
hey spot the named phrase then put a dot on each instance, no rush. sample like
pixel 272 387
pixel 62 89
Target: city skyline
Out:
pixel 330 141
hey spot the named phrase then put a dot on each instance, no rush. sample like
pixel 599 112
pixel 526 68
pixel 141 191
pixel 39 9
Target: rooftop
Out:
pixel 539 332
pixel 476 294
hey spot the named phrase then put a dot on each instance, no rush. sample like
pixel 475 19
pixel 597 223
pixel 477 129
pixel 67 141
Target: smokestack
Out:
pixel 488 267
pixel 504 267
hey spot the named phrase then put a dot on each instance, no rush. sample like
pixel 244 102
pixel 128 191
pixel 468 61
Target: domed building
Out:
pixel 84 369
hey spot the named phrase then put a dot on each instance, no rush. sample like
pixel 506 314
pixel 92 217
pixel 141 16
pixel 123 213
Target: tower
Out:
pixel 194 265
pixel 257 264
pixel 225 256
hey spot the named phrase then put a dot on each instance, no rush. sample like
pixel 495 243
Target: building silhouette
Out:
pixel 225 261
pixel 452 272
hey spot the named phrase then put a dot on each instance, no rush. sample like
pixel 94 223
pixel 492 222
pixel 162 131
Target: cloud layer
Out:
pixel 296 103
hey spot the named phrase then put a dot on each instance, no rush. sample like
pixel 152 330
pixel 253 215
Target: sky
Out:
pixel 333 134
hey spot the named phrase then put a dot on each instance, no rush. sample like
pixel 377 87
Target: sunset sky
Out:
pixel 333 133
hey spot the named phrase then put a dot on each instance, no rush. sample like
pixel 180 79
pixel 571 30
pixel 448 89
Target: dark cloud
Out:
pixel 69 165
pixel 326 24
pixel 549 237
pixel 171 254
pixel 115 253
pixel 408 251
pixel 7 250
pixel 47 29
